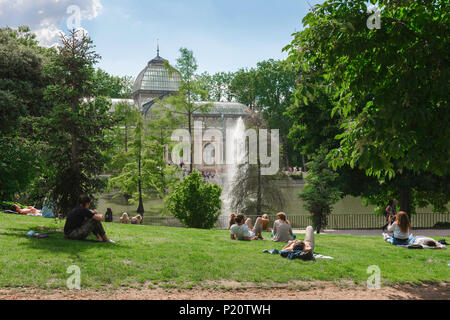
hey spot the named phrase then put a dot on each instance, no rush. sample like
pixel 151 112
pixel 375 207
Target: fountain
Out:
pixel 236 155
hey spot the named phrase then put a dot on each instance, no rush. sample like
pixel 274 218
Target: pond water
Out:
pixel 290 189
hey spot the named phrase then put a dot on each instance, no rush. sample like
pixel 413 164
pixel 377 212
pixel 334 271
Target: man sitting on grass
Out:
pixel 81 222
pixel 241 232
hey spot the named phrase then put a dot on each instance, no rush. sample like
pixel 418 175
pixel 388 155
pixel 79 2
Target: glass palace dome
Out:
pixel 155 79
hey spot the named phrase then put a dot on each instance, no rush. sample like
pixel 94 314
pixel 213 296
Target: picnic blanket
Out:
pixel 297 254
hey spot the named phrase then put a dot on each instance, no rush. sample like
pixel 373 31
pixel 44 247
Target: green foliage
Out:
pixel 217 85
pixel 320 192
pixel 386 94
pixel 393 120
pixel 22 82
pixel 268 90
pixel 18 166
pixel 112 86
pixel 191 90
pixel 130 180
pixel 144 170
pixel 75 129
pixel 22 78
pixel 125 116
pixel 161 123
pixel 196 203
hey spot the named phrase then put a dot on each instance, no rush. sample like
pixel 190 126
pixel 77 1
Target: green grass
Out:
pixel 183 258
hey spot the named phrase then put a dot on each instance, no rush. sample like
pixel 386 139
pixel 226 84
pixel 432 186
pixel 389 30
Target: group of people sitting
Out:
pixel 125 219
pixel 242 228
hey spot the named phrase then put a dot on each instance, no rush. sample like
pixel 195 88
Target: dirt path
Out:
pixel 323 291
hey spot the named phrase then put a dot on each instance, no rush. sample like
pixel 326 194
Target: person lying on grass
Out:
pixel 240 231
pixel 306 246
pixel 81 222
pixel 27 210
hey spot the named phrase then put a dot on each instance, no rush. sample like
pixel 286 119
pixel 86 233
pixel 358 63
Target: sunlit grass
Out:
pixel 182 258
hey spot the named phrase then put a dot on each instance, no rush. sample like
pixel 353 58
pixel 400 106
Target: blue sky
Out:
pixel 225 35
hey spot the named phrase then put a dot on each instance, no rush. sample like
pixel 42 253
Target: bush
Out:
pixel 196 203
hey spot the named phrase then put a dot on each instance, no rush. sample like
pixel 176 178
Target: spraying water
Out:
pixel 236 156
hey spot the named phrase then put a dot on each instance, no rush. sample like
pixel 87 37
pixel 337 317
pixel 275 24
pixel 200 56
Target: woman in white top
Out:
pixel 401 229
pixel 240 231
pixel 282 229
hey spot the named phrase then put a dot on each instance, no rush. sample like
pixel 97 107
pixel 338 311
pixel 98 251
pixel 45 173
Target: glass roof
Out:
pixel 155 77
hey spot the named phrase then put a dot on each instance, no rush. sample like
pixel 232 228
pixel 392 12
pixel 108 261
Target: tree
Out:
pixel 112 86
pixel 22 83
pixel 126 115
pixel 75 129
pixel 131 180
pixel 394 123
pixel 162 176
pixel 189 91
pixel 217 85
pixel 196 203
pixel 320 192
pixel 269 89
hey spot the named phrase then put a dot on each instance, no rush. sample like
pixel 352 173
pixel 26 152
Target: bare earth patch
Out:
pixel 311 291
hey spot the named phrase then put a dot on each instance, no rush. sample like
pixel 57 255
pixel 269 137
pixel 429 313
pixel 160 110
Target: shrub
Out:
pixel 196 203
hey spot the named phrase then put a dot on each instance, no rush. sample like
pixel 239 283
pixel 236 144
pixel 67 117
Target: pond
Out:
pixel 290 189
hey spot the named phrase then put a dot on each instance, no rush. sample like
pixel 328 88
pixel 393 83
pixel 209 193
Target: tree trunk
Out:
pixel 140 209
pixel 126 138
pixel 406 200
pixel 192 142
pixel 259 195
pixel 304 163
pixel 75 164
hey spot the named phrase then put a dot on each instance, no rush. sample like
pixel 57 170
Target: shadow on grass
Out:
pixel 56 242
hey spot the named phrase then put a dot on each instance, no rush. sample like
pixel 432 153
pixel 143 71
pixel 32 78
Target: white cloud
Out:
pixel 46 18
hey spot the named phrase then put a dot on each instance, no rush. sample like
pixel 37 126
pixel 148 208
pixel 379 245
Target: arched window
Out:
pixel 209 154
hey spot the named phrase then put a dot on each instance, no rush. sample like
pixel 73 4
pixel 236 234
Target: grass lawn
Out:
pixel 183 258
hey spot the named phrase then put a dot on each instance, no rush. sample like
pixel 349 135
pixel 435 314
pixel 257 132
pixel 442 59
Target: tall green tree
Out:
pixel 161 175
pixel 391 90
pixel 113 86
pixel 268 89
pixel 189 91
pixel 321 191
pixel 217 85
pixel 75 129
pixel 131 181
pixel 22 84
